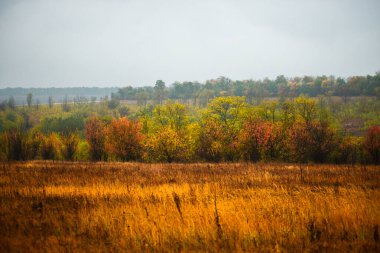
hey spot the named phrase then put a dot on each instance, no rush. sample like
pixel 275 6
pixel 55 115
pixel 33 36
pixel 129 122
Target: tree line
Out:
pixel 228 129
pixel 254 90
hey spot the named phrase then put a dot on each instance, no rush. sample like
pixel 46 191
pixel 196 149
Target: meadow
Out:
pixel 61 206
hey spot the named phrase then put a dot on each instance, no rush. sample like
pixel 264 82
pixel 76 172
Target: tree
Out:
pixel 124 111
pixel 175 115
pixel 159 91
pixel 259 140
pixel 124 139
pixel 50 148
pixel 95 136
pixel 65 104
pixel 269 110
pixel 288 114
pixel 313 141
pixel 372 143
pixel 14 139
pixel 350 150
pixel 220 127
pixel 11 102
pixel 70 144
pixel 227 110
pixel 306 108
pixel 167 145
pixel 113 103
pixel 29 98
pixel 142 98
pixel 50 101
pixel 211 141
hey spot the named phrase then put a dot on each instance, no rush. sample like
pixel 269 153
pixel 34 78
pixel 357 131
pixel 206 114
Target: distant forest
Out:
pixel 201 93
pixel 58 95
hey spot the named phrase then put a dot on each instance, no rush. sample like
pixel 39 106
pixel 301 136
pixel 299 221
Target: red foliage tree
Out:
pixel 124 139
pixel 259 140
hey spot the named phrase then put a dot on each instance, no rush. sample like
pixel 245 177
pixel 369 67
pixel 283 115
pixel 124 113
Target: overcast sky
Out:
pixel 135 42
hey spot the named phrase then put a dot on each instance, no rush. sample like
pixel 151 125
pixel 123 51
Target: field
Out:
pixel 134 207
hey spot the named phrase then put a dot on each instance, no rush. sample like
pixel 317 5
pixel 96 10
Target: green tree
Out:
pixel 159 91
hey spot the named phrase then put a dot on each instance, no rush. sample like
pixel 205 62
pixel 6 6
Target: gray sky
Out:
pixel 135 42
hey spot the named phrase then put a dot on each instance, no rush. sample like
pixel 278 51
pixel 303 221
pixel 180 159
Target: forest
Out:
pixel 318 120
pixel 255 90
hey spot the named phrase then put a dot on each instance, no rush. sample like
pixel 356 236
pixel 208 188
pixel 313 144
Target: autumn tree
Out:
pixel 288 113
pixel 50 148
pixel 167 145
pixel 95 136
pixel 220 127
pixel 14 144
pixel 306 108
pixel 211 141
pixel 170 135
pixel 372 143
pixel 70 145
pixel 268 110
pixel 31 144
pixel 171 114
pixel 124 139
pixel 311 141
pixel 259 140
pixel 349 150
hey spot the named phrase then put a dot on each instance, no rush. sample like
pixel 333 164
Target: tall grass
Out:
pixel 98 207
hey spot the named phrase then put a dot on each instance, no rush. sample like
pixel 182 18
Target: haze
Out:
pixel 118 43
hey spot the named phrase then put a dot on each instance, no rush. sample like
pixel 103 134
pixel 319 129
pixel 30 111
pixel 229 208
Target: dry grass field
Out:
pixel 132 207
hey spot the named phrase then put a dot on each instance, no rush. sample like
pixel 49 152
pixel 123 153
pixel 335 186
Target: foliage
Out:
pixel 302 129
pixel 372 143
pixel 220 128
pixel 167 145
pixel 113 103
pixel 70 145
pixel 124 139
pixel 64 125
pixel 311 141
pixel 95 136
pixel 213 144
pixel 51 147
pixel 350 150
pixel 260 140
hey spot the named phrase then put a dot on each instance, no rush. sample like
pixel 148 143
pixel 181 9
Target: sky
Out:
pixel 104 43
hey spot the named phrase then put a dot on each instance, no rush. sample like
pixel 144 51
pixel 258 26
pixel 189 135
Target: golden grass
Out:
pixel 98 207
